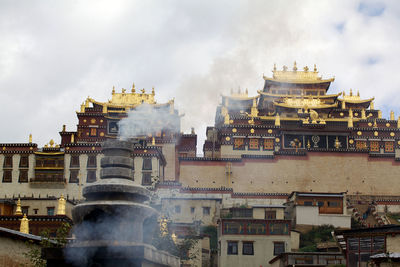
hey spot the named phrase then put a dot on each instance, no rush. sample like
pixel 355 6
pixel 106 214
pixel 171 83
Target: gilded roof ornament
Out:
pixel 296 76
pixel 274 67
pixel 295 66
pixel 113 90
pixel 24 227
pixel 61 206
pixel 133 88
pixel 315 68
pixel 392 115
pixel 18 210
pixel 30 138
pixel 306 68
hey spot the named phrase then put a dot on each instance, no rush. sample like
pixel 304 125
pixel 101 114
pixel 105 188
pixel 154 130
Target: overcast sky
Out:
pixel 53 54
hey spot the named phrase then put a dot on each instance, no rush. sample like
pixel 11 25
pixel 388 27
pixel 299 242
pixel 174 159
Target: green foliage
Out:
pixel 35 254
pixel 355 224
pixel 182 248
pixel 309 240
pixel 212 232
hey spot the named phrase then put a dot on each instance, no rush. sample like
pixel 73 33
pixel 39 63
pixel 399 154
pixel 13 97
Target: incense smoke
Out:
pixel 147 119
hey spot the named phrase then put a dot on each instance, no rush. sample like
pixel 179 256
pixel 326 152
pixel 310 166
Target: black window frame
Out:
pixel 248 248
pixel 279 248
pixel 232 247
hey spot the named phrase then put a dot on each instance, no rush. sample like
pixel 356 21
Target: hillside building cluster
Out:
pixel 290 157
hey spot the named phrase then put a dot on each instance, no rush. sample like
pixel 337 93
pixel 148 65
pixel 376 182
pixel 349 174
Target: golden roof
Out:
pixel 296 76
pixel 240 95
pixel 355 99
pixel 298 96
pixel 131 99
pixel 307 103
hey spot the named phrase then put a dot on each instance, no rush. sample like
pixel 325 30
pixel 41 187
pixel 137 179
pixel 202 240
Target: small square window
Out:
pixel 308 203
pixel 279 247
pixel 206 210
pixel 232 247
pixel 248 248
pixel 8 163
pixel 333 204
pixel 146 178
pixel 25 210
pixel 7 176
pixel 50 211
pixel 35 211
pixel 23 176
pixel 177 209
pixel 192 209
pixel 92 162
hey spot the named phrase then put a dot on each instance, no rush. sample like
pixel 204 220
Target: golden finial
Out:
pixel 363 116
pixel 337 143
pixel 351 92
pixel 30 138
pixel 192 131
pixel 24 227
pixel 247 91
pixel 113 90
pixel 358 93
pixel 152 91
pixel 308 143
pixel 72 138
pixel 343 104
pixel 350 122
pixel 133 88
pixel 18 210
pixel 61 206
pixel 284 68
pixel 392 115
pixel 315 68
pixel 105 107
pixel 398 122
pixel 379 114
pixel 350 113
pixel 344 93
pixel 123 90
pixel 295 66
pixel 51 143
pixel 306 68
pixel 274 67
pixel 87 102
pixel 371 106
pixel 226 118
pixel 163 226
pixel 277 120
pixel 143 91
pixel 153 141
pixel 82 108
pixel 375 124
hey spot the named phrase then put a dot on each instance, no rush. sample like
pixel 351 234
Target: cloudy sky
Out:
pixel 53 54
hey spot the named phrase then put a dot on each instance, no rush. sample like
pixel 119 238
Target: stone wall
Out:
pixel 355 173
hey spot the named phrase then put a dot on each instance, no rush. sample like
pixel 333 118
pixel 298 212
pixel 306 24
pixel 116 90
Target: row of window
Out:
pixel 248 248
pixel 374 146
pixel 50 210
pixel 253 143
pixel 23 161
pixel 206 210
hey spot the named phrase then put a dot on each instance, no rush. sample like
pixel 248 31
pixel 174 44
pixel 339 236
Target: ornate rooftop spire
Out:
pixel 18 210
pixel 295 66
pixel 24 227
pixel 61 206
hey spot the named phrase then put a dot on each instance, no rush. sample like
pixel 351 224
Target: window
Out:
pixel 254 144
pixel 7 176
pixel 73 176
pixel 35 211
pixel 242 212
pixel 361 144
pixel 92 163
pixel 333 204
pixel 248 248
pixel 232 247
pixel 279 247
pixel 7 162
pixel 177 209
pixel 91 176
pixel 74 161
pixel 146 178
pixel 93 131
pixel 389 147
pixel 320 203
pixel 206 210
pixel 50 211
pixel 24 162
pixel 268 144
pixel 23 176
pixel 238 143
pixel 374 146
pixel 308 203
pixel 146 164
pixel 192 209
pixel 270 214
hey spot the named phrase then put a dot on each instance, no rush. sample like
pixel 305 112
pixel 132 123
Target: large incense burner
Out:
pixel 109 224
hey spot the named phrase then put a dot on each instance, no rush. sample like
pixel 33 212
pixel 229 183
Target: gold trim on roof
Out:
pixel 304 103
pixel 298 96
pixel 296 76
